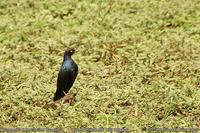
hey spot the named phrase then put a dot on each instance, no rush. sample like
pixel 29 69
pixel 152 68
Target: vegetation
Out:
pixel 139 63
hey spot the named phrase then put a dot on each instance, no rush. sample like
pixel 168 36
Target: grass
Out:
pixel 139 63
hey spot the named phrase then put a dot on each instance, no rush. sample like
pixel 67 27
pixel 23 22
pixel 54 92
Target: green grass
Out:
pixel 139 63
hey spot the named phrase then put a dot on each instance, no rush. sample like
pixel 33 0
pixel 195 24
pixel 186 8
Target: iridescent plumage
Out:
pixel 66 76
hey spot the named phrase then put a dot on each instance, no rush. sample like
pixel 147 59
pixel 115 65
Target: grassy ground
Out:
pixel 139 63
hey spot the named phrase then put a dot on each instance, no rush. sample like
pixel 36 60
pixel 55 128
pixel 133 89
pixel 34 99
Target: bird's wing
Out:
pixel 73 76
pixel 63 81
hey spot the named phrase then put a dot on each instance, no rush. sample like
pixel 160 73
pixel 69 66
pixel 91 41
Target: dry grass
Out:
pixel 139 63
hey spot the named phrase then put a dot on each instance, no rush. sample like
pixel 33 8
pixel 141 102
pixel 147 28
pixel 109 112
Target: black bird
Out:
pixel 66 75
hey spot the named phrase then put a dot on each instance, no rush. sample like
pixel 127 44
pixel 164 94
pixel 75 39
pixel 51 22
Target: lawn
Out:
pixel 139 63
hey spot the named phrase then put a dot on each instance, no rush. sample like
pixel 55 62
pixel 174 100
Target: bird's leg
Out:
pixel 58 95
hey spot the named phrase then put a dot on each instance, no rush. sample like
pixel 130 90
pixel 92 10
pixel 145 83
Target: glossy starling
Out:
pixel 66 75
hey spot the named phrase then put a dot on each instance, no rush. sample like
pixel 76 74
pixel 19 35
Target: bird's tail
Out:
pixel 58 95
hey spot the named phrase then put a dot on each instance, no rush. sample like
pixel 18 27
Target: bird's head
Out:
pixel 70 52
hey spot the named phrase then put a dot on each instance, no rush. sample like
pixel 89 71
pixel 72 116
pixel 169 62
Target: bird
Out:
pixel 67 75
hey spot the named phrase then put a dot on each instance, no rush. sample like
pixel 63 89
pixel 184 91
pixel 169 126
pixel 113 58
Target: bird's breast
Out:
pixel 68 66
